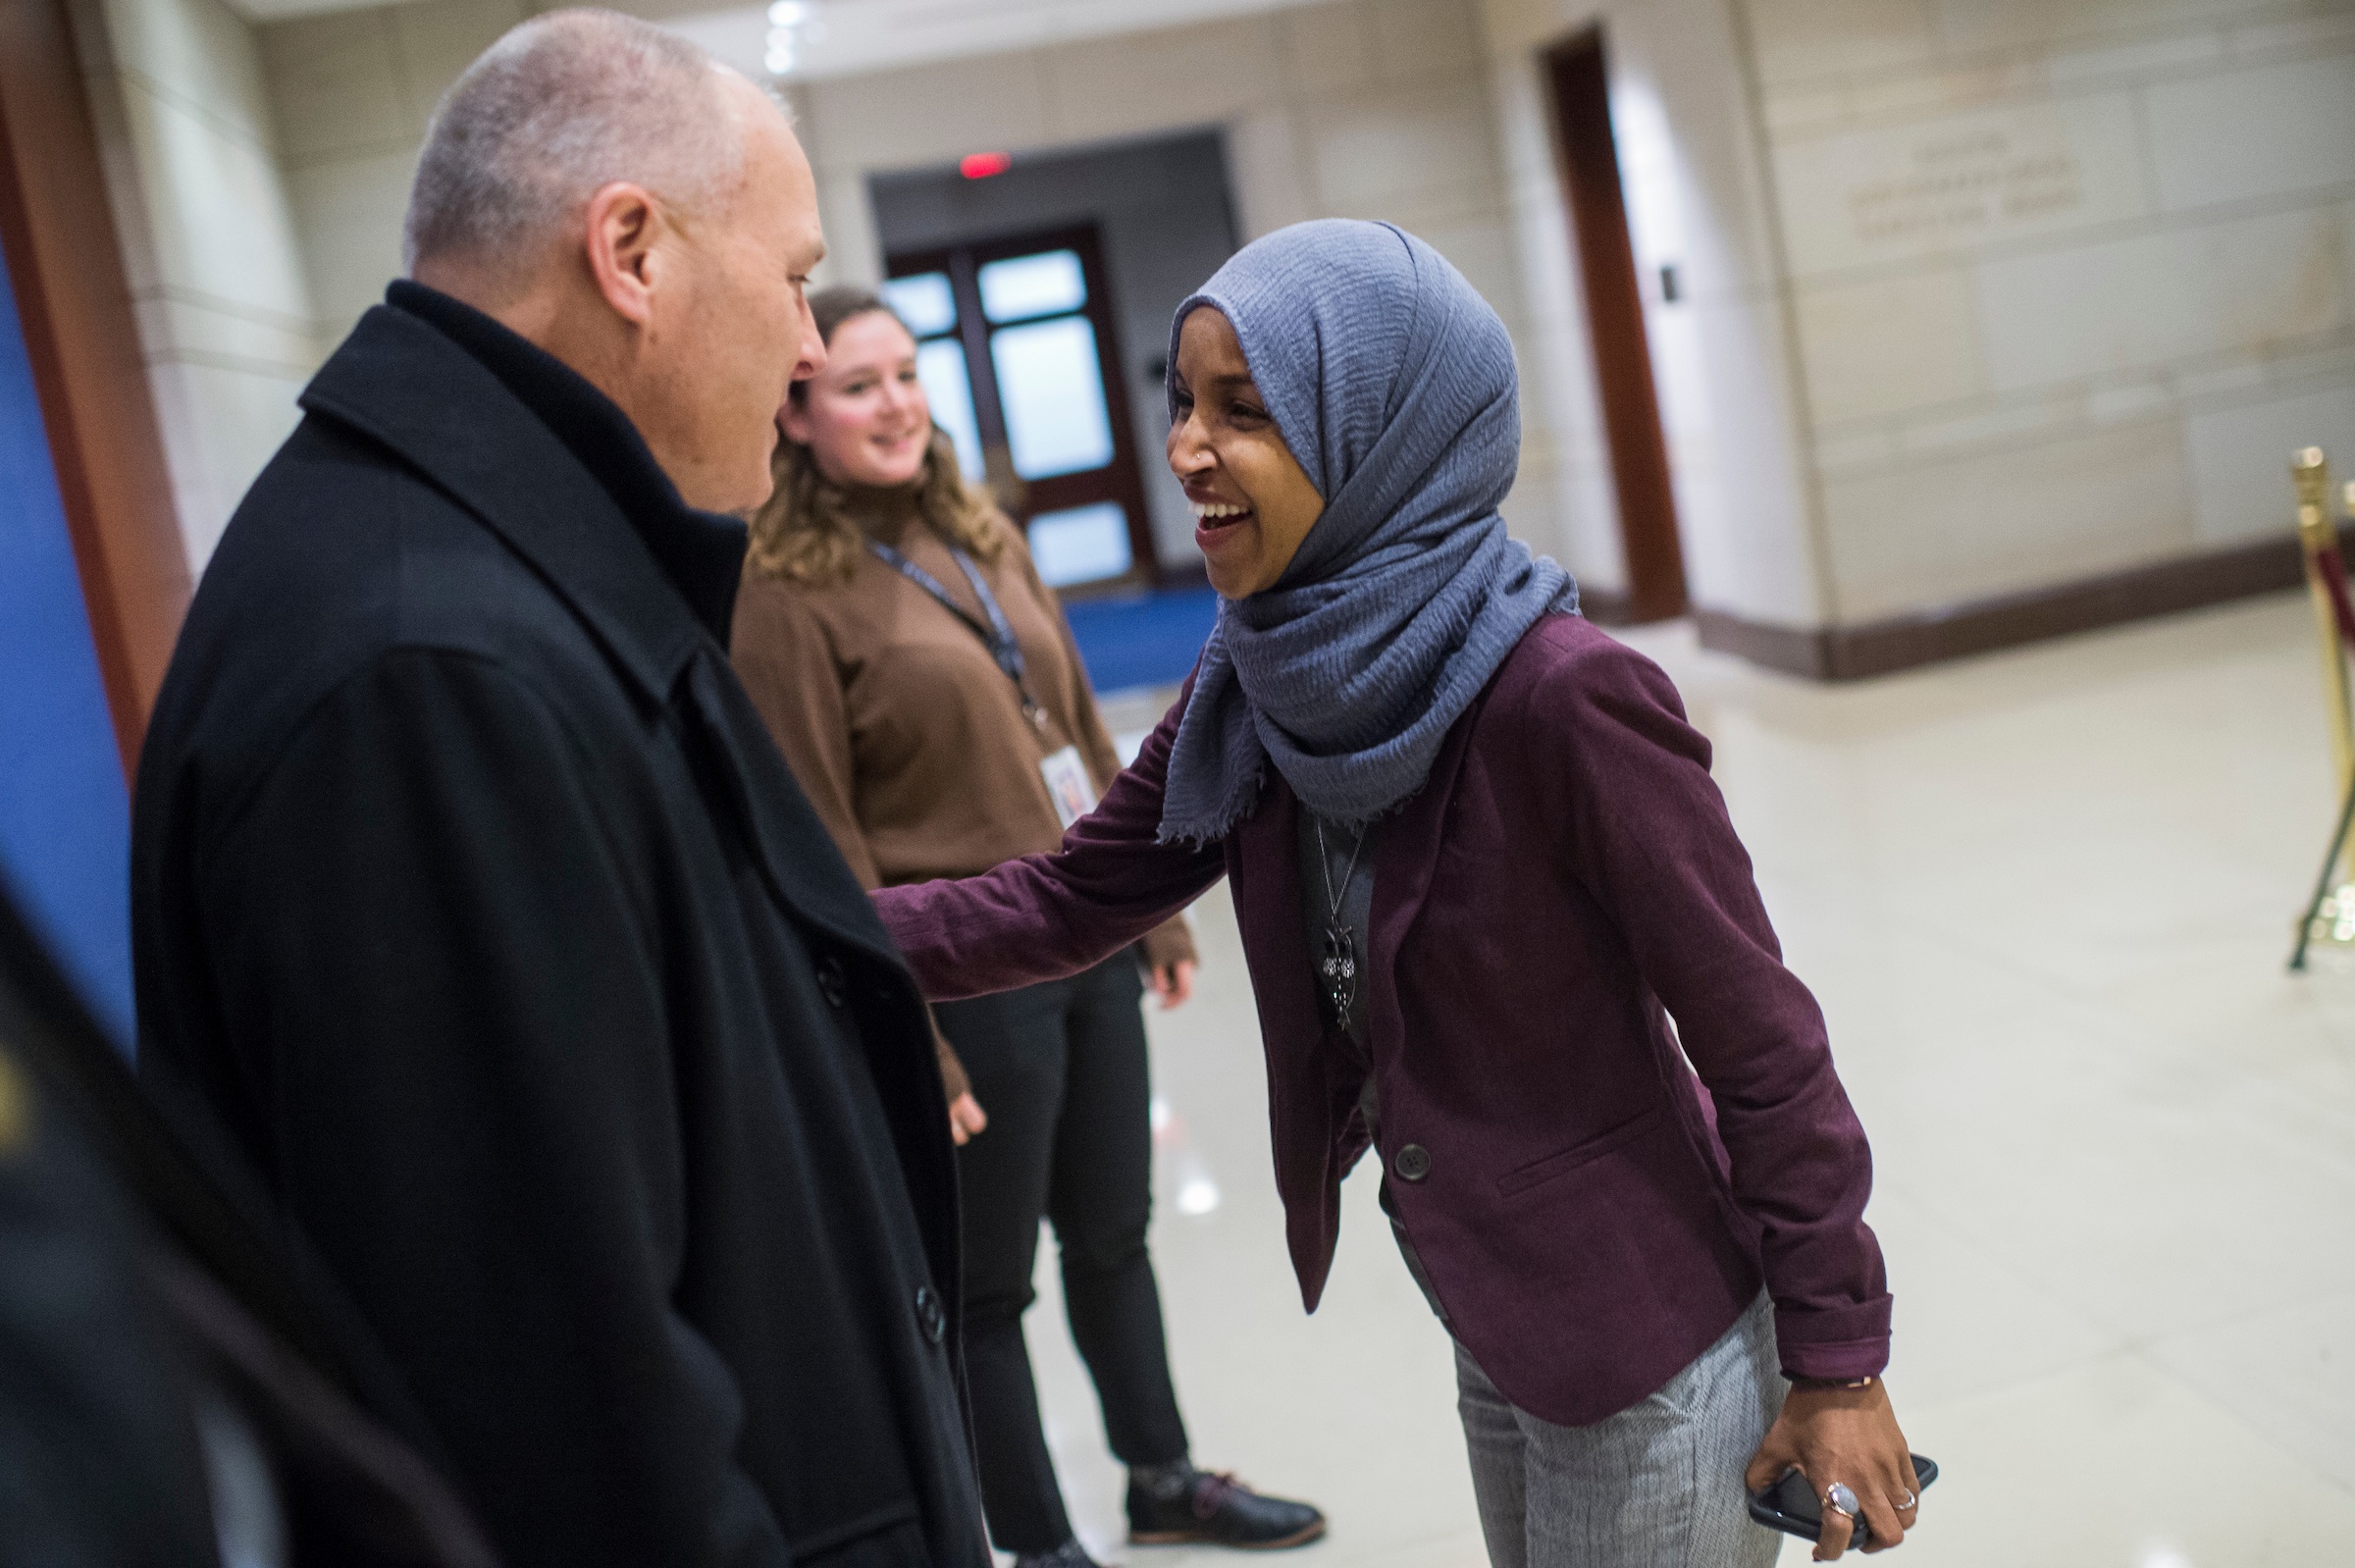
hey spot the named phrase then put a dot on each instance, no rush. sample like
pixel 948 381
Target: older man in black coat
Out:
pixel 472 895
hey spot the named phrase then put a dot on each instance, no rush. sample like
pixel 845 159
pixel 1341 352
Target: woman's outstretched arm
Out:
pixel 1045 916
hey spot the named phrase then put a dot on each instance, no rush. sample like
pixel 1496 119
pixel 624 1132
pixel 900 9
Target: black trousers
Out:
pixel 1061 1069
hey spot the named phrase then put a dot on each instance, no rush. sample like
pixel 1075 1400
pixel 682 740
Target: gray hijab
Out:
pixel 1391 381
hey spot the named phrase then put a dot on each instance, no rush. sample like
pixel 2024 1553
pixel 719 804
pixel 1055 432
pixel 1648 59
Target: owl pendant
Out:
pixel 1338 971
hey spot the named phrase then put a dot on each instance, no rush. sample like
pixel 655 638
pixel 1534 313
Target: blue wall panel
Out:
pixel 64 814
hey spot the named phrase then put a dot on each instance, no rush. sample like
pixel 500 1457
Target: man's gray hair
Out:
pixel 563 106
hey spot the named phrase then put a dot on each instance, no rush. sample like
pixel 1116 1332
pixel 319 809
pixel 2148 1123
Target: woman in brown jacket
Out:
pixel 925 686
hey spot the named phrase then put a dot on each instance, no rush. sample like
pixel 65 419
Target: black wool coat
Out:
pixel 470 892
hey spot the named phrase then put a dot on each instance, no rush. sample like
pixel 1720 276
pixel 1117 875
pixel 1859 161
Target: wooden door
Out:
pixel 1014 341
pixel 1578 85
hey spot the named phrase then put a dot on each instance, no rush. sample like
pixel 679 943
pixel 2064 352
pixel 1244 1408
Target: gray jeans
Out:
pixel 1656 1486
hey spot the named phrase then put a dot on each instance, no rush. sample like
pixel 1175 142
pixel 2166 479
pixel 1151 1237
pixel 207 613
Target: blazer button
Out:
pixel 1413 1163
pixel 832 983
pixel 930 1315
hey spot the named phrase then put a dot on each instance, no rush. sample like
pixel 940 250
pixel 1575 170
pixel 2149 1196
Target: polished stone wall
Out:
pixel 352 92
pixel 1983 296
pixel 2067 279
pixel 209 238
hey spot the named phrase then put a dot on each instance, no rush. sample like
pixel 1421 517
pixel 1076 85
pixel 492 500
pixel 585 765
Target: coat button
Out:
pixel 1413 1163
pixel 929 1315
pixel 832 983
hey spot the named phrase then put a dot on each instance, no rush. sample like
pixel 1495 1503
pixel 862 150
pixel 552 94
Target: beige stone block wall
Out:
pixel 223 310
pixel 2067 279
pixel 352 92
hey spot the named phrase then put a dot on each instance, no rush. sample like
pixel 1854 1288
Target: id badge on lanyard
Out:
pixel 1067 784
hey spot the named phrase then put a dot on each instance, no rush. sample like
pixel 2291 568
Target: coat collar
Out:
pixel 410 386
pixel 700 553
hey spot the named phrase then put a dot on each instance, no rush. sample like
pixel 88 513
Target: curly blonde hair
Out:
pixel 807 533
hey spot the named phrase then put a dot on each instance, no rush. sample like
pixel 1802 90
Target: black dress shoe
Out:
pixel 1220 1511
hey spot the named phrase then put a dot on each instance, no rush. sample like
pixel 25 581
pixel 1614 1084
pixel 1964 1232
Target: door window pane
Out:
pixel 924 303
pixel 1023 286
pixel 949 388
pixel 1084 545
pixel 1052 388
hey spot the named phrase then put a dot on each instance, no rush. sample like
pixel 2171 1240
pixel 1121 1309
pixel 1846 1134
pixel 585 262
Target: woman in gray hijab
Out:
pixel 1500 932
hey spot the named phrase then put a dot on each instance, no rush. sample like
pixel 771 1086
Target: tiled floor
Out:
pixel 2045 897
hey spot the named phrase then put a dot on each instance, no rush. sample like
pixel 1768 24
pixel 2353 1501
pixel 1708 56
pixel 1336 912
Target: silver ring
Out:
pixel 1905 1499
pixel 1839 1499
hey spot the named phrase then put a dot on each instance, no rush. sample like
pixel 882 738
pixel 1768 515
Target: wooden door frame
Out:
pixel 1577 91
pixel 963 262
pixel 89 375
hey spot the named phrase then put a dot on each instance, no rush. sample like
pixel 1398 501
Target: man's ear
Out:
pixel 623 228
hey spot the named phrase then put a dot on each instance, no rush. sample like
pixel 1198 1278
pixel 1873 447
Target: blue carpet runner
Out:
pixel 1147 640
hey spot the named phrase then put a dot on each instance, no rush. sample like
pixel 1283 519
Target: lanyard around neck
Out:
pixel 997 636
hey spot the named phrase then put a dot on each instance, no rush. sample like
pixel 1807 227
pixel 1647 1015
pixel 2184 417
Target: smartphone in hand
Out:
pixel 1791 1505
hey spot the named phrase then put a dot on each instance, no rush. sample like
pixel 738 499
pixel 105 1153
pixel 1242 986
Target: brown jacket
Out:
pixel 906 735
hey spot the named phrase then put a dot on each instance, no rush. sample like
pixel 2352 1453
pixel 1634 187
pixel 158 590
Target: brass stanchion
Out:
pixel 2330 918
pixel 2311 471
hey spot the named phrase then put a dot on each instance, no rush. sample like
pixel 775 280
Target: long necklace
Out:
pixel 1339 967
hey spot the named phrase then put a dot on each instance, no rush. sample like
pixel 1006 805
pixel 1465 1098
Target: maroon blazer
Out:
pixel 1591 1217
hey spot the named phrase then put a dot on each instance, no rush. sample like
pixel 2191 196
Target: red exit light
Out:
pixel 981 165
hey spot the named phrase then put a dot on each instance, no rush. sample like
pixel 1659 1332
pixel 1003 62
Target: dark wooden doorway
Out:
pixel 1078 481
pixel 1578 83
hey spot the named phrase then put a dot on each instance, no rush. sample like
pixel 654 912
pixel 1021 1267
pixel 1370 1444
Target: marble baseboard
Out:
pixel 1979 626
